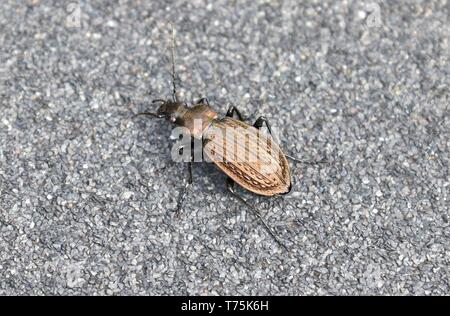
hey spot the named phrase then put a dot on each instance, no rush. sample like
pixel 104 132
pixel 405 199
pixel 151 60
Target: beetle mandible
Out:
pixel 268 174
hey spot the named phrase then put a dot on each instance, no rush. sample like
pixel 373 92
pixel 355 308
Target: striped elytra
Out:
pixel 248 156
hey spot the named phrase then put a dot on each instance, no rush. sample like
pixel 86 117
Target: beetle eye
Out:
pixel 172 119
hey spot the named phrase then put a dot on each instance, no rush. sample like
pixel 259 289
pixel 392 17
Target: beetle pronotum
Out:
pixel 266 172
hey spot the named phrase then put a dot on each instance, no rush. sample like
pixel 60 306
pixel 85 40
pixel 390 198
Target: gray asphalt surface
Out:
pixel 86 195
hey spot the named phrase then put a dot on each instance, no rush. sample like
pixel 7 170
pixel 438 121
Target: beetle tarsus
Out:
pixel 230 186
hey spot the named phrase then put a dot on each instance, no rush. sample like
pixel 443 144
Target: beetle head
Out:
pixel 172 111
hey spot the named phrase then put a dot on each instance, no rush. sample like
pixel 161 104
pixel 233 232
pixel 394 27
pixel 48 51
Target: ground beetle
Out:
pixel 255 162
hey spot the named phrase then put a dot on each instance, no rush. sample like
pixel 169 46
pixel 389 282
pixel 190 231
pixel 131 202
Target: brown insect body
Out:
pixel 245 154
pixel 257 164
pixel 248 156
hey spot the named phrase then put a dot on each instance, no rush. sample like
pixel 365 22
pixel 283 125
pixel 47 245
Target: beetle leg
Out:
pixel 230 186
pixel 185 188
pixel 203 101
pixel 263 120
pixel 260 121
pixel 233 110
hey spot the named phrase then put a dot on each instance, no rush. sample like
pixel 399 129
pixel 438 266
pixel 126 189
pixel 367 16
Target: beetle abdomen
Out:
pixel 247 155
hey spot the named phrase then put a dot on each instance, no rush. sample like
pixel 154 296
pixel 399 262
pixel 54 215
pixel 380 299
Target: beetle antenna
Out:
pixel 174 90
pixel 152 115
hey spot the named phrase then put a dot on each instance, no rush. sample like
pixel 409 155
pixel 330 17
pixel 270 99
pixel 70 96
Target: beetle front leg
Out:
pixel 230 186
pixel 184 189
pixel 263 120
pixel 186 186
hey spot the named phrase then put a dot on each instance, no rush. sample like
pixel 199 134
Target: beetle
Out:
pixel 267 174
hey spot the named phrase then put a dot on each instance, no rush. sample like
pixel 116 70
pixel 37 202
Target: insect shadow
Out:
pixel 247 156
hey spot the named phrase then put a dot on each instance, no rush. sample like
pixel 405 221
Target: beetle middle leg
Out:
pixel 232 110
pixel 230 186
pixel 262 120
pixel 203 101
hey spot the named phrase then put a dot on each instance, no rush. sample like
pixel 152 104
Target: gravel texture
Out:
pixel 86 194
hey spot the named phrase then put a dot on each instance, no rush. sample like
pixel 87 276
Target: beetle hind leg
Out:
pixel 262 120
pixel 230 186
